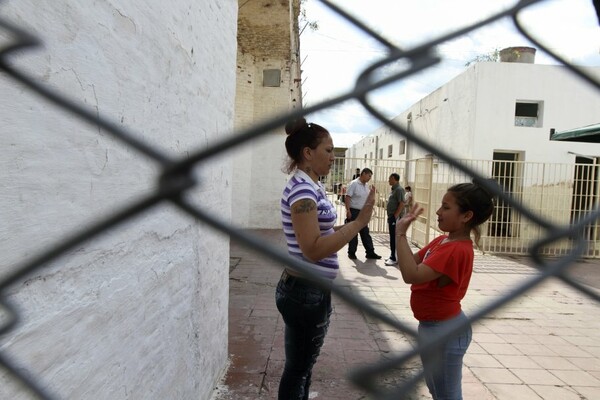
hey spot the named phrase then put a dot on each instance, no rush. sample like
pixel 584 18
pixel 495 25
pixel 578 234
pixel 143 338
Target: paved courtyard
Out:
pixel 545 344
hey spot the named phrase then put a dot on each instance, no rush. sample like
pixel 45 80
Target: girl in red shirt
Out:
pixel 439 275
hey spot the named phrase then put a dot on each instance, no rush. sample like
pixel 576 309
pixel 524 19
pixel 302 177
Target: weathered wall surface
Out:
pixel 140 311
pixel 475 114
pixel 267 39
pixel 567 102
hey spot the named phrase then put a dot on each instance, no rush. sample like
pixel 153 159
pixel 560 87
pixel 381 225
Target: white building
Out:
pixel 498 116
pixel 496 110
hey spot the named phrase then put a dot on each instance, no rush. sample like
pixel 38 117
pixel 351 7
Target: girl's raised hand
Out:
pixel 403 223
pixel 371 196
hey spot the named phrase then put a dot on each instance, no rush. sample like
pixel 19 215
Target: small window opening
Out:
pixel 271 77
pixel 527 114
pixel 402 147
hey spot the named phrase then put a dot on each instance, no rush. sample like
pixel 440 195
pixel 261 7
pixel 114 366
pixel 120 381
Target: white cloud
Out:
pixel 337 52
pixel 346 139
pixel 345 118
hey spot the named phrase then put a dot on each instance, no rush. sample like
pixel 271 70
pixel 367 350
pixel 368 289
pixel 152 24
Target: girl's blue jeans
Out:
pixel 443 365
pixel 306 310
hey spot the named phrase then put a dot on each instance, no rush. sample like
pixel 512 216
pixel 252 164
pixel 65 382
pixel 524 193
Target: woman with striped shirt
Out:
pixel 308 219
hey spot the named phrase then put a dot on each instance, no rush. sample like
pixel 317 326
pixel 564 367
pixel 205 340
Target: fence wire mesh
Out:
pixel 176 179
pixel 548 189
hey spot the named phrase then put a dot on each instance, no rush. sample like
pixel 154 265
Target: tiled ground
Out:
pixel 545 344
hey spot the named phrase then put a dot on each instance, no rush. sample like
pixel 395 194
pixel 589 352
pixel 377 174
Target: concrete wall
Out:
pixel 141 311
pixel 267 39
pixel 568 103
pixel 473 115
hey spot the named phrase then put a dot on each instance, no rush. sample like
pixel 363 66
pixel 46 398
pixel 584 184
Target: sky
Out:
pixel 334 54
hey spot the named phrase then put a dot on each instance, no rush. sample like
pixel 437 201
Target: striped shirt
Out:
pixel 301 186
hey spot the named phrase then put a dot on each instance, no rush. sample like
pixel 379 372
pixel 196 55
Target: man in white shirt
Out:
pixel 356 195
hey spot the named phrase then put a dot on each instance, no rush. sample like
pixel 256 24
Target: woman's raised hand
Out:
pixel 367 211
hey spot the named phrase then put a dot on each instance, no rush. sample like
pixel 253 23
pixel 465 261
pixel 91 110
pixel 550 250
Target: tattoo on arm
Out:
pixel 303 206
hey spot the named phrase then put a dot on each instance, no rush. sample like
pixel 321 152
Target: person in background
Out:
pixel 395 208
pixel 356 174
pixel 308 218
pixel 439 275
pixel 408 198
pixel 356 197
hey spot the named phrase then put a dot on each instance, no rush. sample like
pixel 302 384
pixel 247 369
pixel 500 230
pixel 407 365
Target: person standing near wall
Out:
pixel 395 208
pixel 308 218
pixel 356 197
pixel 439 275
pixel 408 199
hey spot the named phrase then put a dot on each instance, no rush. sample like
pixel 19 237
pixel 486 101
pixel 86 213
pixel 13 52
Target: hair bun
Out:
pixel 485 185
pixel 295 125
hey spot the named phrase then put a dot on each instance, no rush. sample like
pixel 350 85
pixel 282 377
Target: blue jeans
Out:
pixel 306 310
pixel 443 366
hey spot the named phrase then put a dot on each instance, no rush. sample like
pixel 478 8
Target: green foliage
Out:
pixel 312 25
pixel 493 55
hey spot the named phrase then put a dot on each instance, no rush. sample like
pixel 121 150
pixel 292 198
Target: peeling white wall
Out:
pixel 568 103
pixel 473 115
pixel 140 311
pixel 268 39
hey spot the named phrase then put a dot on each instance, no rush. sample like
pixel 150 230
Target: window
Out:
pixel 381 154
pixel 528 113
pixel 402 147
pixel 371 155
pixel 271 77
pixel 390 150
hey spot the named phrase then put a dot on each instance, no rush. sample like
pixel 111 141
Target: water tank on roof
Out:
pixel 518 55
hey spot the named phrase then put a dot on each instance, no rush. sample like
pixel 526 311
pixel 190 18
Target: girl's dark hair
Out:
pixel 477 199
pixel 301 135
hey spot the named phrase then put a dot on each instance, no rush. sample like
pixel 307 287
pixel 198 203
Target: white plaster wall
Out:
pixel 569 103
pixel 365 150
pixel 472 115
pixel 267 178
pixel 258 177
pixel 390 138
pixel 141 311
pixel 444 118
pixel 242 155
pixel 268 39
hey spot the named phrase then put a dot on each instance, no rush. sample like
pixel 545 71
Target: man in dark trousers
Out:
pixel 395 209
pixel 356 196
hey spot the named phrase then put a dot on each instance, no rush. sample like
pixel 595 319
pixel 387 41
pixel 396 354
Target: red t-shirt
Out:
pixel 428 301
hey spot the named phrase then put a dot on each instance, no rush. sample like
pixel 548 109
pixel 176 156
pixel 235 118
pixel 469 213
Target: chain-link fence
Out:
pixel 562 193
pixel 176 179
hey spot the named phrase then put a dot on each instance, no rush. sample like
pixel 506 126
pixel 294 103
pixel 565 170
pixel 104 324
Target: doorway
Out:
pixel 504 171
pixel 585 192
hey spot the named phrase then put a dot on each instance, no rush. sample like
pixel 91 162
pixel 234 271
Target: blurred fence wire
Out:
pixel 176 179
